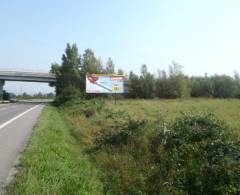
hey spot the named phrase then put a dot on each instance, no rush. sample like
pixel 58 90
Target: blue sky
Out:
pixel 202 35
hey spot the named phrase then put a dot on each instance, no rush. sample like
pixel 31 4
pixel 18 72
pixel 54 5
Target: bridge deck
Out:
pixel 27 76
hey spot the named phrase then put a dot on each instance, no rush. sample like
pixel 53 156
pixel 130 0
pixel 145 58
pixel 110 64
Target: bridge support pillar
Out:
pixel 1 88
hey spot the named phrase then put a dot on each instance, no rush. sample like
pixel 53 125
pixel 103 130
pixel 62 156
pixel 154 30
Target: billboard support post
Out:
pixel 115 98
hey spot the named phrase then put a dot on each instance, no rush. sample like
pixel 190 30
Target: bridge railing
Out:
pixel 26 74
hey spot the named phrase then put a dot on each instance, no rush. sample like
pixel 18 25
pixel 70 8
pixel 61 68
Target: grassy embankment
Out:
pixel 54 163
pixel 124 142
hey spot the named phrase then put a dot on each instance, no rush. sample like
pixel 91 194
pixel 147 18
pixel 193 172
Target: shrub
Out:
pixel 5 95
pixel 68 94
pixel 120 133
pixel 195 155
pixel 88 108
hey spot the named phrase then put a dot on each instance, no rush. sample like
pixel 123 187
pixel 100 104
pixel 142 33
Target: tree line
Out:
pixel 175 84
pixel 8 96
pixel 172 84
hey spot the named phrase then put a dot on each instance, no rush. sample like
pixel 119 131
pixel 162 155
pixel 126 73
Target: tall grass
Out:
pixel 54 162
pixel 126 143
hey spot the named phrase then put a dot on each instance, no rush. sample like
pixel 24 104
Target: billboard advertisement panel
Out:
pixel 100 83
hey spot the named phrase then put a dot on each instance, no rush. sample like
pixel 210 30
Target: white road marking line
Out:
pixel 18 116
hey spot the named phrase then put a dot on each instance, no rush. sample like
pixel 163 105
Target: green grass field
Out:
pixel 58 161
pixel 226 109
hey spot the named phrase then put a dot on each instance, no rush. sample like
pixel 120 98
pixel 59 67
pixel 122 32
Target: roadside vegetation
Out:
pixel 150 147
pixel 54 162
pixel 135 147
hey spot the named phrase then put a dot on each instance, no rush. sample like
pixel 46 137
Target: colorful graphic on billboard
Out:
pixel 98 83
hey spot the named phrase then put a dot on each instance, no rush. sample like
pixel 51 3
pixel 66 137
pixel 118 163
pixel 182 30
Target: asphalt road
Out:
pixel 16 124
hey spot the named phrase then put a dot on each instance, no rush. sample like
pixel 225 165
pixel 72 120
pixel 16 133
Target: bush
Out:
pixel 5 95
pixel 88 108
pixel 120 133
pixel 195 155
pixel 68 94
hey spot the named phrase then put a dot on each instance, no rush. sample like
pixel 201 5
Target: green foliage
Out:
pixel 90 108
pixel 87 108
pixel 110 67
pixel 68 73
pixel 38 95
pixel 202 87
pixel 195 155
pixel 224 86
pixel 147 83
pixel 5 95
pixel 68 94
pixel 219 86
pixel 56 70
pixel 175 85
pixel 143 86
pixel 120 133
pixel 134 89
pixel 90 63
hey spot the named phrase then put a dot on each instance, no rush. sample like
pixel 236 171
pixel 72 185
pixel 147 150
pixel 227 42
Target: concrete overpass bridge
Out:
pixel 25 76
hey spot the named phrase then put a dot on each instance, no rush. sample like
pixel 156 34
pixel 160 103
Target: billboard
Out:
pixel 100 83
